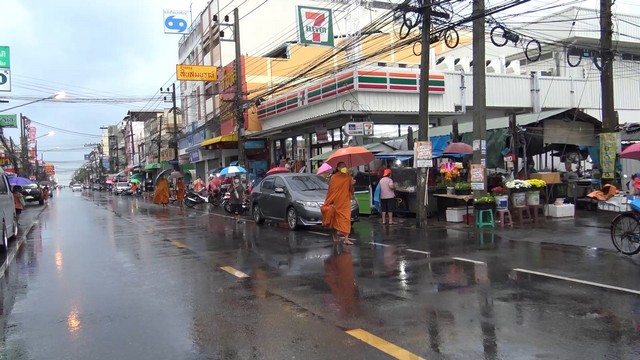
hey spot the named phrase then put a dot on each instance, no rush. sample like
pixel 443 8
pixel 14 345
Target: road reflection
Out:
pixel 339 275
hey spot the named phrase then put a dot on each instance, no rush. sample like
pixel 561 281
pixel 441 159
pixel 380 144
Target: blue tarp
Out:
pixel 438 144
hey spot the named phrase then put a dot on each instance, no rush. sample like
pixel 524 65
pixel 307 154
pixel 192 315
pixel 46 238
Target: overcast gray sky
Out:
pixel 110 49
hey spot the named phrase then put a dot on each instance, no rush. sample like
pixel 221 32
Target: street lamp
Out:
pixel 57 96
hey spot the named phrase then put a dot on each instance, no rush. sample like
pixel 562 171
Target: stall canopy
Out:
pixel 374 147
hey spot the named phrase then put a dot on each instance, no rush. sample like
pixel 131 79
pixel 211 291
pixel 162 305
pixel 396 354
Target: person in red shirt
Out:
pixel 198 185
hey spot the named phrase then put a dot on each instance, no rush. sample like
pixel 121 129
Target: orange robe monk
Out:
pixel 336 211
pixel 161 193
pixel 180 189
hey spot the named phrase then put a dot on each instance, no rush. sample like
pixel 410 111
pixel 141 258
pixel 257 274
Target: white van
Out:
pixel 7 212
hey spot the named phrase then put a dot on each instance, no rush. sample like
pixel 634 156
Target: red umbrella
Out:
pixel 458 148
pixel 631 152
pixel 278 170
pixel 352 156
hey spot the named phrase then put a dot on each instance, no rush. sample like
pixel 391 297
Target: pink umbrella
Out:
pixel 458 148
pixel 324 168
pixel 631 152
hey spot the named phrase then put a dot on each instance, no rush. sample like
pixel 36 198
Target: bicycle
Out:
pixel 625 230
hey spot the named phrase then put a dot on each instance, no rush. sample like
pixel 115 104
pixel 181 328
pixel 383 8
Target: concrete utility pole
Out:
pixel 175 127
pixel 609 115
pixel 423 111
pixel 24 150
pixel 239 94
pixel 479 92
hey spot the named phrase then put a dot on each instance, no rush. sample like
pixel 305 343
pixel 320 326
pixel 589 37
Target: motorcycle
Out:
pixel 192 198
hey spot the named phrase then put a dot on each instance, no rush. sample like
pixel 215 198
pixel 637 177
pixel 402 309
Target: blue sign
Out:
pixel 194 156
pixel 175 21
pixel 87 157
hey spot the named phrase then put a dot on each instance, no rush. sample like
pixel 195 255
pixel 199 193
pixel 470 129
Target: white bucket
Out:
pixel 502 201
pixel 519 199
pixel 533 197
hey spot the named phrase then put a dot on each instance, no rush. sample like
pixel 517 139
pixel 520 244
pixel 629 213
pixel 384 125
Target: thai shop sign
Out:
pixel 609 148
pixel 8 121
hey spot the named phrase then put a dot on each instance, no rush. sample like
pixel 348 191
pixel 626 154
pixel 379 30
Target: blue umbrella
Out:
pixel 232 170
pixel 21 181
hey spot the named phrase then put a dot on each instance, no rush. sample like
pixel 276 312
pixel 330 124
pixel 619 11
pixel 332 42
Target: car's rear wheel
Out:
pixel 5 239
pixel 292 218
pixel 15 227
pixel 257 215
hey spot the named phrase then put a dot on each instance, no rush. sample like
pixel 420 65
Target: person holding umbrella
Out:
pixel 161 193
pixel 336 211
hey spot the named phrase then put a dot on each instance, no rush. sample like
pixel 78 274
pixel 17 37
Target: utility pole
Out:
pixel 239 94
pixel 175 123
pixel 479 94
pixel 160 138
pixel 24 150
pixel 609 115
pixel 423 111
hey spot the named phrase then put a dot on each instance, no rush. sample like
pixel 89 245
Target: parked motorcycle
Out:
pixel 192 198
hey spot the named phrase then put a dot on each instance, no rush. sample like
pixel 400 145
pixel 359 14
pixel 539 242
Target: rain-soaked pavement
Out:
pixel 107 277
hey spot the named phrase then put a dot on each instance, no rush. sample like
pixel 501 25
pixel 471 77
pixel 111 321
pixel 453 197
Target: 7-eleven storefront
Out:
pixel 308 121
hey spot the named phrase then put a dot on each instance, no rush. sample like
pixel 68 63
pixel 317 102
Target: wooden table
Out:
pixel 463 198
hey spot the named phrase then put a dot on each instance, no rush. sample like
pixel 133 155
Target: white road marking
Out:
pixel 319 233
pixel 379 244
pixel 637 292
pixel 419 251
pixel 469 260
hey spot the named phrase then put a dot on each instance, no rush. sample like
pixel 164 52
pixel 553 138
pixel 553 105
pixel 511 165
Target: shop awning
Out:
pixel 157 165
pixel 220 139
pixel 186 167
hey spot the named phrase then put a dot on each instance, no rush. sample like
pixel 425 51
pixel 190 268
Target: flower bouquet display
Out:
pixel 518 194
pixel 501 194
pixel 533 195
pixel 485 202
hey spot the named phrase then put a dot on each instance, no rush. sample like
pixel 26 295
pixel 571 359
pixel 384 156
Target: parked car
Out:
pixel 294 198
pixel 121 188
pixel 7 212
pixel 96 187
pixel 32 192
pixel 76 187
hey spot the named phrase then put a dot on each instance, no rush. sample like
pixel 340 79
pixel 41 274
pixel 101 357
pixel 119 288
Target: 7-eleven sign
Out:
pixel 315 26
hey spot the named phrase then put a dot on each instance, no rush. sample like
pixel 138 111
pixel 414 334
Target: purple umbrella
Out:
pixel 21 181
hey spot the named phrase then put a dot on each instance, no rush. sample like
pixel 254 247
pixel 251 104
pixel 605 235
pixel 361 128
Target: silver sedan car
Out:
pixel 293 198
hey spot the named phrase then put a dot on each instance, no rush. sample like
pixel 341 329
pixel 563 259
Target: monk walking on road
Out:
pixel 336 211
pixel 161 193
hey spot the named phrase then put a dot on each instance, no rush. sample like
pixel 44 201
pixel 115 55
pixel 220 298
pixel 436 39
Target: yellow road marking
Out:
pixel 179 244
pixel 383 345
pixel 234 272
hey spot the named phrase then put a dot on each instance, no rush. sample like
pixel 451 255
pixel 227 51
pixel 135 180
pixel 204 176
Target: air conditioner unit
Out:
pixel 445 63
pixel 513 67
pixel 493 67
pixel 463 64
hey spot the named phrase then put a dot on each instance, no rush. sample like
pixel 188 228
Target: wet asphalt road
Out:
pixel 106 277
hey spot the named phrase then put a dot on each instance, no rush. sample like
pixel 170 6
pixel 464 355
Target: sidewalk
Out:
pixel 28 218
pixel 586 229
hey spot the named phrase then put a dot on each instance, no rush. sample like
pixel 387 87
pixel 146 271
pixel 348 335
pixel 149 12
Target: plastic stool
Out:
pixel 505 218
pixel 523 214
pixel 537 213
pixel 481 221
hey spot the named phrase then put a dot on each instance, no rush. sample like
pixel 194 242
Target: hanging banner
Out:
pixel 32 134
pixel 315 26
pixel 609 147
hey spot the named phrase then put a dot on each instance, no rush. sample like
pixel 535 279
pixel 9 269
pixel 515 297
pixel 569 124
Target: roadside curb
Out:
pixel 23 238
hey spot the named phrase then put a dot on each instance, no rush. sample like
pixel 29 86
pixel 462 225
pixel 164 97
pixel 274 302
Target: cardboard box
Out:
pixel 548 177
pixel 565 210
pixel 456 214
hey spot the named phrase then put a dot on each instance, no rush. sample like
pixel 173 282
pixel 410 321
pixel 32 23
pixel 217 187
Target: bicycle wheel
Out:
pixel 625 233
